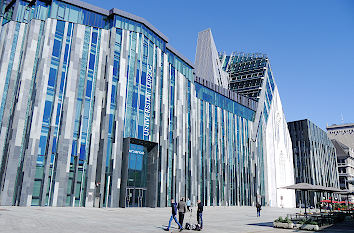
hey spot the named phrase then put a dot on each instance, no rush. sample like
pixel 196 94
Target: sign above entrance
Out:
pixel 136 152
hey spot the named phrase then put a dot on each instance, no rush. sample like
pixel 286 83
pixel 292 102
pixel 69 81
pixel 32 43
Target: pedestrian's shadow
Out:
pixel 165 226
pixel 262 224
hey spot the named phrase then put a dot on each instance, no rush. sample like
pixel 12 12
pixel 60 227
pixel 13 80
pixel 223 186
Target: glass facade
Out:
pixel 315 159
pixel 96 78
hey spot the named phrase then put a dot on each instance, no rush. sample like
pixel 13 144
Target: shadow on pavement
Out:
pixel 346 226
pixel 163 227
pixel 262 224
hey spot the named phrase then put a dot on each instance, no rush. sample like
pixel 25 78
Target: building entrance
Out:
pixel 136 197
pixel 136 185
pixel 139 173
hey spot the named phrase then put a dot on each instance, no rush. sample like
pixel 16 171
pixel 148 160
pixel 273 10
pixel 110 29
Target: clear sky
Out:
pixel 310 44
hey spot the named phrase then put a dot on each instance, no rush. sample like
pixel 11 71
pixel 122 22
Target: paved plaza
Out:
pixel 68 219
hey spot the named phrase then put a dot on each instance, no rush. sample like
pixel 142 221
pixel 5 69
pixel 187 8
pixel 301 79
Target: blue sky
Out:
pixel 310 44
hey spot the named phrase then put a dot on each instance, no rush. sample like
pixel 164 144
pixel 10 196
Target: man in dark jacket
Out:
pixel 181 210
pixel 200 214
pixel 173 216
pixel 259 208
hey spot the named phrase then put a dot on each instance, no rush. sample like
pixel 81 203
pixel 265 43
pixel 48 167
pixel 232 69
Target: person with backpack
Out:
pixel 181 210
pixel 173 216
pixel 259 208
pixel 200 214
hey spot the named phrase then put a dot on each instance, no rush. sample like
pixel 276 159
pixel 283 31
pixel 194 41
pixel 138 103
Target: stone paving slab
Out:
pixel 68 219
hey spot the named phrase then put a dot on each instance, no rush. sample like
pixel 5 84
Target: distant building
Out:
pixel 343 139
pixel 343 133
pixel 314 158
pixel 345 160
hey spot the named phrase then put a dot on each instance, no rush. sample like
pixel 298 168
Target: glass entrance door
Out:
pixel 136 190
pixel 136 197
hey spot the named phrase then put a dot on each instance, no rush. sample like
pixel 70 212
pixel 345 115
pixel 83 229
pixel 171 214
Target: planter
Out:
pixel 283 225
pixel 310 227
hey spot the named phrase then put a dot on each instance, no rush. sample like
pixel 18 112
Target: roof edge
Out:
pixel 87 6
pixel 130 16
pixel 342 126
pixel 186 60
pixel 139 20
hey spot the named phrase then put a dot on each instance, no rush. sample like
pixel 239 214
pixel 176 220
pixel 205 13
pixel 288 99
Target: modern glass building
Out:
pixel 250 75
pixel 97 109
pixel 315 158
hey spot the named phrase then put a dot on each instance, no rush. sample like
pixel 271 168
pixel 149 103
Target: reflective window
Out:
pixel 56 48
pixel 52 77
pixel 67 12
pixel 223 102
pixel 47 111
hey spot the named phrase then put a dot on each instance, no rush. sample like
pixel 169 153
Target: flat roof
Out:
pixel 130 16
pixel 342 126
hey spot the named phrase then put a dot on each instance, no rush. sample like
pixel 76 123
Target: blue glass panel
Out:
pixel 86 16
pixel 61 11
pixel 132 161
pixel 92 19
pixel 52 77
pixel 47 111
pixel 139 162
pixel 110 124
pixel 74 14
pixel 56 48
pixel 143 78
pixel 70 25
pixel 137 77
pixel 42 145
pixel 140 131
pixel 60 27
pixel 92 62
pixel 66 52
pixel 142 102
pixel 74 147
pixel 113 94
pixel 88 88
pixel 62 81
pixel 58 114
pixel 82 152
pixel 94 38
pixel 135 100
pixel 115 68
pixel 221 101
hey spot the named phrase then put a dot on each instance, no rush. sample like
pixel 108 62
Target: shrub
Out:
pixel 280 219
pixel 308 221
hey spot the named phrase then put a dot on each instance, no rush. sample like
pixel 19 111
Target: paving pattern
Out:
pixel 67 219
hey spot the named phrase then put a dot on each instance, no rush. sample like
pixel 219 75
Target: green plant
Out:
pixel 280 219
pixel 308 221
pixel 287 220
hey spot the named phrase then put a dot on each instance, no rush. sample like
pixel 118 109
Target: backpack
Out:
pixel 197 227
pixel 188 226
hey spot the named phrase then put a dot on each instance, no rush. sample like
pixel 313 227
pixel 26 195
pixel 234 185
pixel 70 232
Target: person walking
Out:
pixel 173 216
pixel 181 210
pixel 259 208
pixel 200 214
pixel 188 204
